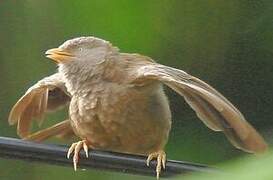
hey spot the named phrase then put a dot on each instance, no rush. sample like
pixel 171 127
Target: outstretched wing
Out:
pixel 210 106
pixel 46 95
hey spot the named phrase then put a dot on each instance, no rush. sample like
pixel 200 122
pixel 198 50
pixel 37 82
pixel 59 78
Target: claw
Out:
pixel 150 157
pixel 70 150
pixel 76 148
pixel 85 148
pixel 161 161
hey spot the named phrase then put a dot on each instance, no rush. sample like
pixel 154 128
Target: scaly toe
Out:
pixel 76 148
pixel 76 154
pixel 150 158
pixel 85 148
pixel 161 161
pixel 70 150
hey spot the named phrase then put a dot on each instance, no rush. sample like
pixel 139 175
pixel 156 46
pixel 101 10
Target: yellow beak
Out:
pixel 58 55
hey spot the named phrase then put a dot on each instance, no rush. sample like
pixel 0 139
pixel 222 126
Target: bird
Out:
pixel 116 102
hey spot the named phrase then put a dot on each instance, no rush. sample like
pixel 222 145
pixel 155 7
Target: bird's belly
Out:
pixel 127 122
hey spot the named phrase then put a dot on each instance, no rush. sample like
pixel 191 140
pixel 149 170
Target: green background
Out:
pixel 228 44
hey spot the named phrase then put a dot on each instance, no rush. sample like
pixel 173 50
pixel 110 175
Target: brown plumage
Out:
pixel 117 103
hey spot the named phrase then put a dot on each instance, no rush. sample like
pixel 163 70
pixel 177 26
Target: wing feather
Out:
pixel 59 129
pixel 218 113
pixel 46 95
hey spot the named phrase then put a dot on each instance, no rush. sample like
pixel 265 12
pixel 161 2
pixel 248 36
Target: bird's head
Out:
pixel 81 51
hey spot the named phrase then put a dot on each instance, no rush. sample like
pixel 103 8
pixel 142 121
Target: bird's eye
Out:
pixel 81 49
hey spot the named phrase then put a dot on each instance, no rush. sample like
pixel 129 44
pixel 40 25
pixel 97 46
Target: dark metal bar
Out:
pixel 101 160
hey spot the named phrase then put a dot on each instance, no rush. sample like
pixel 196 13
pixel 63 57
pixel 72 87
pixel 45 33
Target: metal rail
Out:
pixel 110 161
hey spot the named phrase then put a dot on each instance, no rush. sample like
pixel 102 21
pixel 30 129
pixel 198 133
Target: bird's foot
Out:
pixel 161 161
pixel 76 148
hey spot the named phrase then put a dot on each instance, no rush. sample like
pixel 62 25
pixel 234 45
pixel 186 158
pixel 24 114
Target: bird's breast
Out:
pixel 122 118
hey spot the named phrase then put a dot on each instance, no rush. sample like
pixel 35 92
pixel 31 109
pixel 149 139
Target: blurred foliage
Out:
pixel 243 169
pixel 229 44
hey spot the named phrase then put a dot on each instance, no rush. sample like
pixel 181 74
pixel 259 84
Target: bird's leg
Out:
pixel 161 161
pixel 76 148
